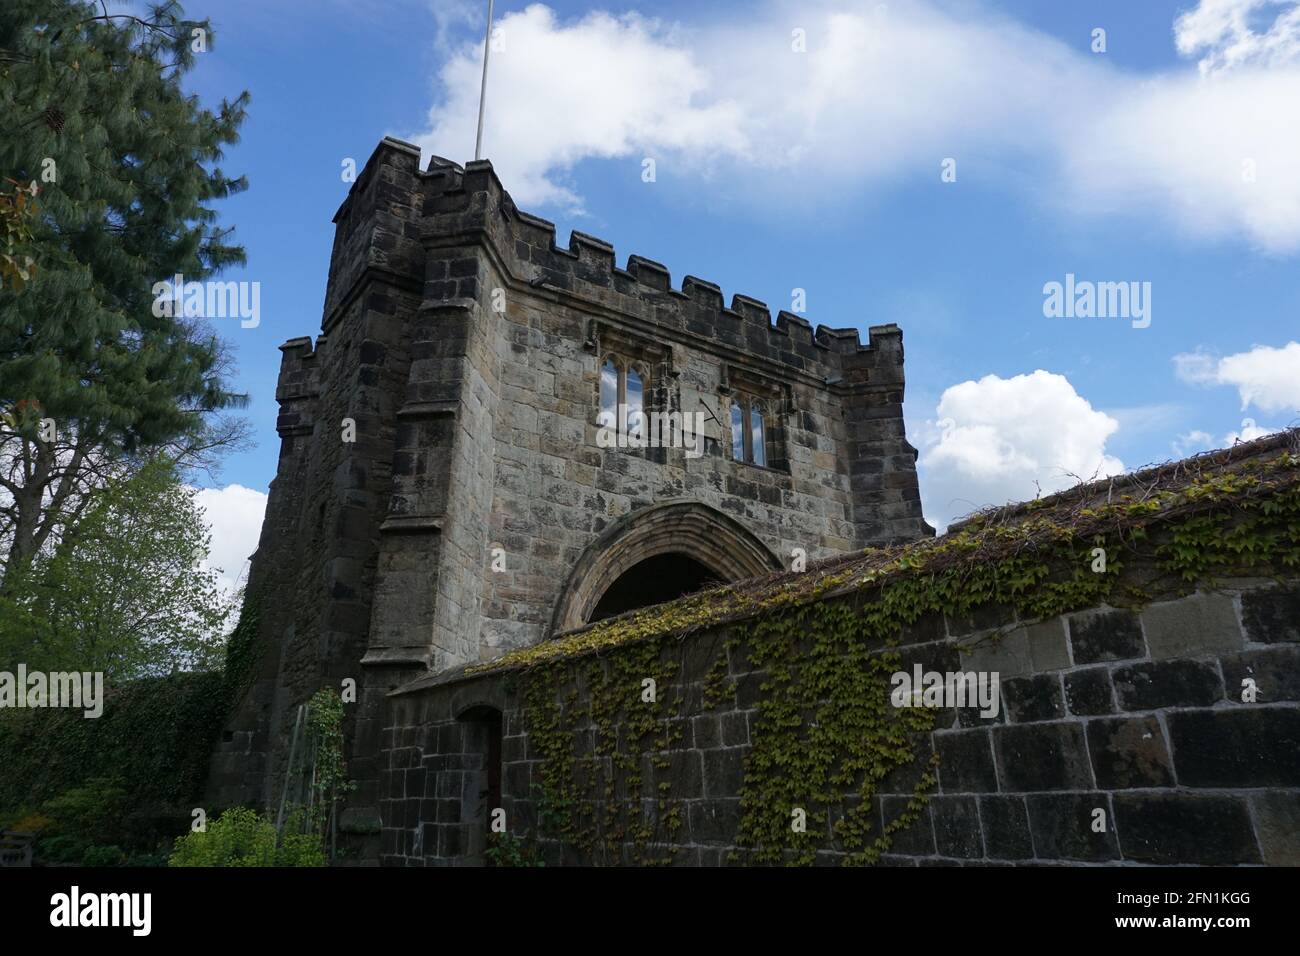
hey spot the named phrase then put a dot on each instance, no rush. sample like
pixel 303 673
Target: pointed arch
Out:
pixel 688 529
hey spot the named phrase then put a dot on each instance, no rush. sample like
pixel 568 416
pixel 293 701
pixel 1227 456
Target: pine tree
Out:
pixel 125 166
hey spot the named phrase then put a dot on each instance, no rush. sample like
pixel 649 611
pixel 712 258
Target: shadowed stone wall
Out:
pixel 1136 713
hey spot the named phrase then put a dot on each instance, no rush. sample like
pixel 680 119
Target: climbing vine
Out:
pixel 824 645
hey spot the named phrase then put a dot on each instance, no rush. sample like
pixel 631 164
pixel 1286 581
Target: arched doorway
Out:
pixel 654 555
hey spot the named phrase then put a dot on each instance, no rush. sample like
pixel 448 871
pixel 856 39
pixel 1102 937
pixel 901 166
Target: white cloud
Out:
pixel 1249 432
pixel 998 440
pixel 1193 442
pixel 1266 377
pixel 234 516
pixel 881 96
pixel 1224 31
pixel 602 87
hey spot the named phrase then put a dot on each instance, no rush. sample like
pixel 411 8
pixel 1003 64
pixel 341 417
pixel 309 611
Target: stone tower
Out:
pixel 443 492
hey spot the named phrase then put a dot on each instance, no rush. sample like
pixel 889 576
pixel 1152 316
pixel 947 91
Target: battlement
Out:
pixel 453 203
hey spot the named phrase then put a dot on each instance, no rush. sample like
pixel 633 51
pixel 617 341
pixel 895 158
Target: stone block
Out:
pixel 1006 655
pixel 966 762
pixel 1154 684
pixel 1277 826
pixel 957 827
pixel 1249 746
pixel 1106 635
pixel 1171 828
pixel 1088 691
pixel 1006 828
pixel 1041 757
pixel 1064 826
pixel 1193 626
pixel 1272 615
pixel 723 772
pixel 1274 670
pixel 1129 752
pixel 1033 698
pixel 1048 647
pixel 714 821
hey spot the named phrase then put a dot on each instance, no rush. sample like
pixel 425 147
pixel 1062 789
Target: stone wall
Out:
pixel 1137 713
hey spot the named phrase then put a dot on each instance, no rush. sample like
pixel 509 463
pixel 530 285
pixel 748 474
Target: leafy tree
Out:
pixel 125 167
pixel 124 592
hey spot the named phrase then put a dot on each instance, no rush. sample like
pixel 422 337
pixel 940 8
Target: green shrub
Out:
pixel 103 856
pixel 241 837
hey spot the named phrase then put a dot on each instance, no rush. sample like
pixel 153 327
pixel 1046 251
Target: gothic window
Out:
pixel 608 417
pixel 749 434
pixel 635 401
pixel 623 387
pixel 737 432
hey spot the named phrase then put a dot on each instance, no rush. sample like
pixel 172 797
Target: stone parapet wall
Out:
pixel 1137 714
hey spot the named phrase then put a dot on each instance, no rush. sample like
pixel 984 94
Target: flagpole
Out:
pixel 482 93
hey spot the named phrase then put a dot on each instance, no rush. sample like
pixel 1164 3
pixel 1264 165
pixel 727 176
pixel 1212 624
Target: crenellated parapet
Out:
pixel 447 206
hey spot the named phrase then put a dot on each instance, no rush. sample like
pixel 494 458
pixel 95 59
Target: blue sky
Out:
pixel 820 169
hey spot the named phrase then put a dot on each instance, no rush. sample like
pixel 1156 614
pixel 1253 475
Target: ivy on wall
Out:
pixel 826 642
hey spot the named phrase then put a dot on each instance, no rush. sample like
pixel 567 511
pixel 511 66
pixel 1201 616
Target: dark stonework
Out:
pixel 1166 683
pixel 1041 757
pixel 1105 636
pixel 1088 692
pixel 1252 746
pixel 1129 752
pixel 1033 698
pixel 1180 828
pixel 1006 828
pixel 965 762
pixel 1063 826
pixel 957 827
pixel 1275 671
pixel 1272 616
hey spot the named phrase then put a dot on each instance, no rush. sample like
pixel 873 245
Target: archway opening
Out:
pixel 653 581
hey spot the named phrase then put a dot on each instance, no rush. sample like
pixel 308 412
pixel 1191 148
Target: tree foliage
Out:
pixel 126 170
pixel 126 591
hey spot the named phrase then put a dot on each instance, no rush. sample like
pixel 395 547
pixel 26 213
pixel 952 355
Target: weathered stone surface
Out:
pixel 1065 826
pixel 1006 827
pixel 1088 691
pixel 1199 624
pixel 1041 757
pixel 1250 746
pixel 1275 672
pixel 965 762
pixel 1129 752
pixel 1185 828
pixel 957 827
pixel 1048 646
pixel 1166 684
pixel 1277 825
pixel 1106 635
pixel 1272 615
pixel 1033 698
